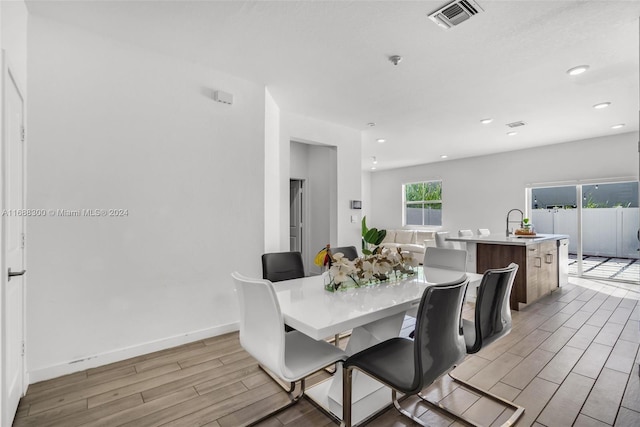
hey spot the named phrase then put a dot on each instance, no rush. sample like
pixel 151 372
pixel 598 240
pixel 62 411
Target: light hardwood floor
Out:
pixel 571 359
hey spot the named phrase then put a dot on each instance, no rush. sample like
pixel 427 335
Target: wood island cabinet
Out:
pixel 538 267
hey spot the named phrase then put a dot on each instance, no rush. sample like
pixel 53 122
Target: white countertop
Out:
pixel 502 239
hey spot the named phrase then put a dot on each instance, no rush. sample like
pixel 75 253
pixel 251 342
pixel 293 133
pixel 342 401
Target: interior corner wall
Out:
pixel 347 143
pixel 113 126
pixel 478 192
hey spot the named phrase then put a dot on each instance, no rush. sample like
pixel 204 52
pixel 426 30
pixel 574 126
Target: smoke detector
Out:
pixel 516 124
pixel 395 59
pixel 455 13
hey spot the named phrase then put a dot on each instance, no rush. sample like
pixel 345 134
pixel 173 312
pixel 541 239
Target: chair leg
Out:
pixel 396 403
pixel 292 401
pixel 347 377
pixel 278 381
pixel 336 342
pixel 518 410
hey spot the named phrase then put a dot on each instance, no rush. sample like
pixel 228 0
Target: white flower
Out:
pixel 394 257
pixel 381 266
pixel 410 260
pixel 367 270
pixel 337 257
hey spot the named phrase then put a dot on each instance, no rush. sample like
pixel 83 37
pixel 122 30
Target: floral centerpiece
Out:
pixel 369 269
pixel 375 266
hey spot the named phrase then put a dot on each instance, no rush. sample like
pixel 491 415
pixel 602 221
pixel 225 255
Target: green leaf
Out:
pixel 364 225
pixel 371 236
pixel 381 235
pixel 366 251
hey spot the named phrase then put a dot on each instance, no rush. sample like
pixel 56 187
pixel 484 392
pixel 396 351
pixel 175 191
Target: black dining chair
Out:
pixel 492 321
pixel 408 366
pixel 278 266
pixel 349 252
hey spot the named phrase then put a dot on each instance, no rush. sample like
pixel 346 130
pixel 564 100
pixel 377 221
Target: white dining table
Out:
pixel 373 313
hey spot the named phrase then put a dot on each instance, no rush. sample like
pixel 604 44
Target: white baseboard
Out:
pixel 117 355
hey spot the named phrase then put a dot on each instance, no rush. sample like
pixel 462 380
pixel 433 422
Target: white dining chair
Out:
pixel 465 233
pixel 483 232
pixel 441 241
pixel 436 259
pixel 290 356
pixel 444 258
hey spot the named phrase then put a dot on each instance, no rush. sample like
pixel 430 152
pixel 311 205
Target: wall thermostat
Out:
pixel 356 204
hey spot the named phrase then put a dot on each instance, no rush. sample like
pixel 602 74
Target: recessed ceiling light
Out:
pixel 618 126
pixel 375 161
pixel 373 168
pixel 486 121
pixel 577 70
pixel 601 105
pixel 381 140
pixel 512 133
pixel 444 156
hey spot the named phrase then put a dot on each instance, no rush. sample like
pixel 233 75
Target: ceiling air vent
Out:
pixel 455 13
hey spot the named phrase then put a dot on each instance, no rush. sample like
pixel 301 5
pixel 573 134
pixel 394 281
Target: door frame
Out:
pixel 300 225
pixel 578 184
pixel 9 77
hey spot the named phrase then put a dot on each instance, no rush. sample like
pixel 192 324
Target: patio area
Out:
pixel 625 269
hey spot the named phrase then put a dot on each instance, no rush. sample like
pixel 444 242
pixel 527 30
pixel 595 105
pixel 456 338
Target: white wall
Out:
pixel 478 192
pixel 113 126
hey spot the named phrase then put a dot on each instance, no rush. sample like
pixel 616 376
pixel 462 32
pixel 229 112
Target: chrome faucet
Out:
pixel 509 222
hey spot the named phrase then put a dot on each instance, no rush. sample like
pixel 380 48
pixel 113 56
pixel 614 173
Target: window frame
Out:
pixel 421 202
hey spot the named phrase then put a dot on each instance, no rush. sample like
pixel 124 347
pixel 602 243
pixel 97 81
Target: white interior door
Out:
pixel 13 222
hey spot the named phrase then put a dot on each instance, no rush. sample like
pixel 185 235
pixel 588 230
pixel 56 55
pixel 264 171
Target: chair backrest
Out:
pixel 465 233
pixel 483 232
pixel 449 259
pixel 278 266
pixel 349 252
pixel 440 240
pixel 438 340
pixel 493 312
pixel 261 323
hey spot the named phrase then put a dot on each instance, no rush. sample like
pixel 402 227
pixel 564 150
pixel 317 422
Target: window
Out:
pixel 422 203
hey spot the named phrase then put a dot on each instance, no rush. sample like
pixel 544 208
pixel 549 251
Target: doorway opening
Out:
pixel 296 215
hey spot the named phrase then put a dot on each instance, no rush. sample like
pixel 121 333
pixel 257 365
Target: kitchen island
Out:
pixel 537 256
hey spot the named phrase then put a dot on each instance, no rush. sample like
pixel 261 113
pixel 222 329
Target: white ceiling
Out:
pixel 329 60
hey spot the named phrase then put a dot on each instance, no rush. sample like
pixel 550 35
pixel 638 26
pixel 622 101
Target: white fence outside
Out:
pixel 607 232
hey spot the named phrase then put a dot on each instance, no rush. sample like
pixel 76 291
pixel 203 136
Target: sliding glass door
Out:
pixel 602 221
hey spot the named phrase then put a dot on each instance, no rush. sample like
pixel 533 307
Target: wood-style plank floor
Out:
pixel 571 359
